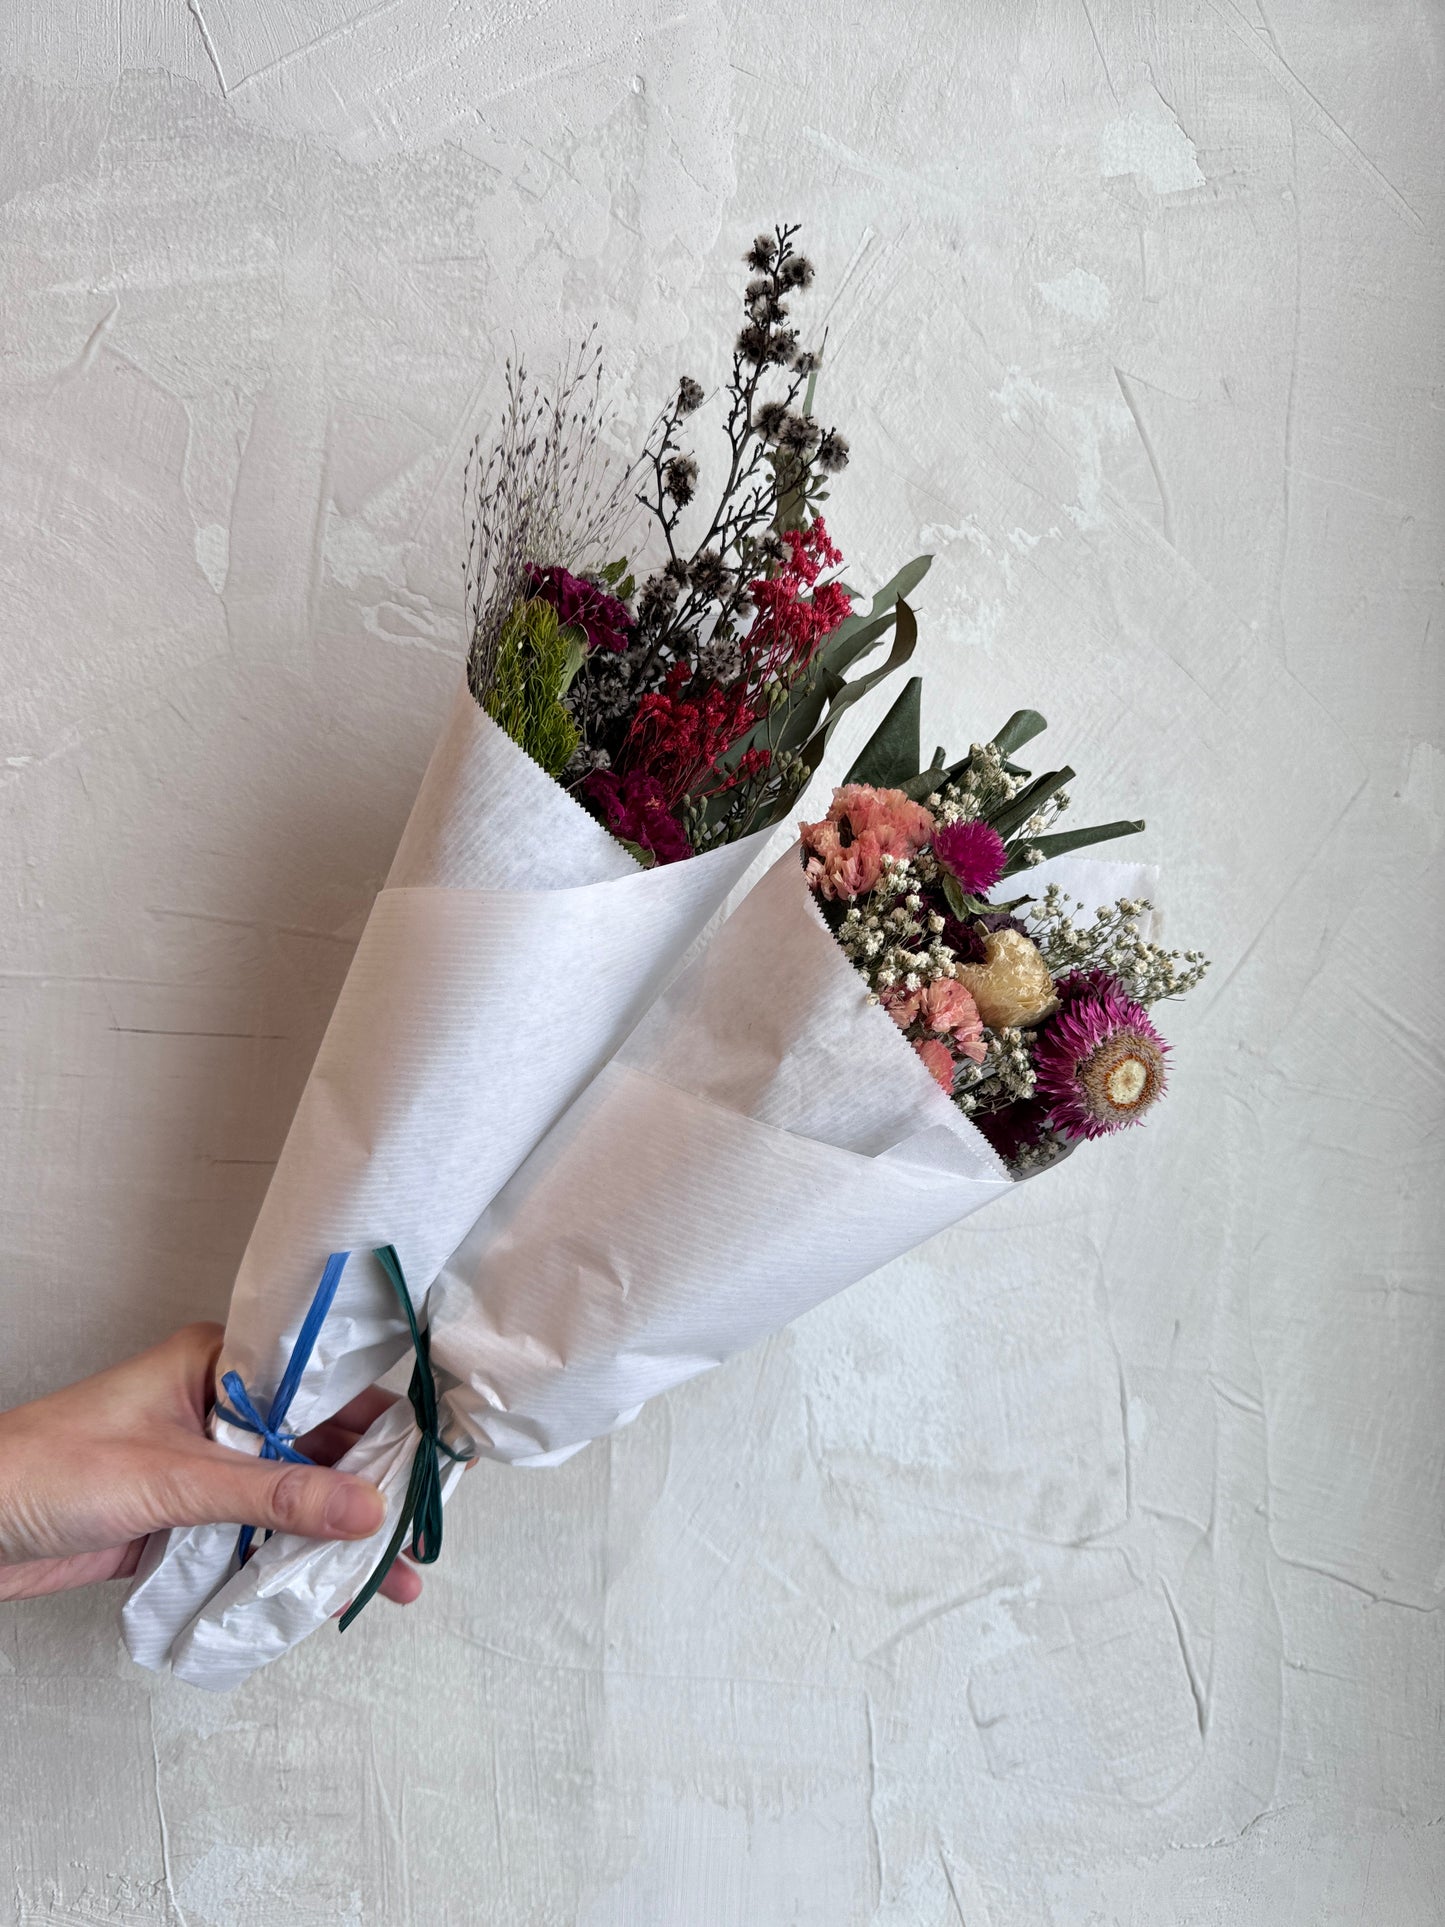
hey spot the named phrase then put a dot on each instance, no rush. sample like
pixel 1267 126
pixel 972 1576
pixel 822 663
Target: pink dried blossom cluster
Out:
pixel 845 851
pixel 948 1016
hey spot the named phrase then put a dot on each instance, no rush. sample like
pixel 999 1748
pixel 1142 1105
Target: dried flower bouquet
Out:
pixel 874 1046
pixel 601 783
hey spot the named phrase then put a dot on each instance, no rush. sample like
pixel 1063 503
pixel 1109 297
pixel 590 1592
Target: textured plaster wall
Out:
pixel 1086 1567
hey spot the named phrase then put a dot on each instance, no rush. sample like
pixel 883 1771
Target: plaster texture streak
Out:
pixel 1087 1567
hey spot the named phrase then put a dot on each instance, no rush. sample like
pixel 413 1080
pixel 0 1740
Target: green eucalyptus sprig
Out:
pixel 1010 799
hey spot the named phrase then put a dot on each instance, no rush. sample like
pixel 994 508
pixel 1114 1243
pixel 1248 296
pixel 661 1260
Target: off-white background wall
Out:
pixel 1088 1566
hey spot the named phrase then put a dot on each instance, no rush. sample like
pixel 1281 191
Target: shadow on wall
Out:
pixel 195 832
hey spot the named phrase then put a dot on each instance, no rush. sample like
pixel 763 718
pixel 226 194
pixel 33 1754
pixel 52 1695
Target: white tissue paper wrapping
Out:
pixel 513 948
pixel 763 1139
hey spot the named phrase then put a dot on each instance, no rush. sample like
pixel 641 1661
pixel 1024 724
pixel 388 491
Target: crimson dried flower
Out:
pixel 636 810
pixel 678 739
pixel 1015 1129
pixel 581 604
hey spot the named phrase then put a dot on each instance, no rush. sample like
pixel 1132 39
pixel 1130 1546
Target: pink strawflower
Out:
pixel 972 852
pixel 1099 1061
pixel 938 1061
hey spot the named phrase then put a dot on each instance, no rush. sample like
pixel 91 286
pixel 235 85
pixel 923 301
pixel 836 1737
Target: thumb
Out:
pixel 221 1487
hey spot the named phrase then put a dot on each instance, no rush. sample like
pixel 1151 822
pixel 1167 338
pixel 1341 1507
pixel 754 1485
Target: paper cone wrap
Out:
pixel 514 947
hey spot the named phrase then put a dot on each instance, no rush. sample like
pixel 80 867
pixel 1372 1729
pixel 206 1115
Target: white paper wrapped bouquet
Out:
pixel 558 1222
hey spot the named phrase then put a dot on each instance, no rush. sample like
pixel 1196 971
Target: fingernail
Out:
pixel 354 1508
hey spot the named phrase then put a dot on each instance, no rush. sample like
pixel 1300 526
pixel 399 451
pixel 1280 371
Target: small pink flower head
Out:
pixel 1099 1061
pixel 947 1006
pixel 938 1061
pixel 901 1005
pixel 901 826
pixel 836 869
pixel 972 852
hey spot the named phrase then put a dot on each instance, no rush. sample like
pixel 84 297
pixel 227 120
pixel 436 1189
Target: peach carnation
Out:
pixel 835 869
pixel 845 851
pixel 901 826
pixel 947 1006
pixel 901 1005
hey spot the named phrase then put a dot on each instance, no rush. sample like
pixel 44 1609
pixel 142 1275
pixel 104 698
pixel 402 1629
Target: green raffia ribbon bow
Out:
pixel 422 1509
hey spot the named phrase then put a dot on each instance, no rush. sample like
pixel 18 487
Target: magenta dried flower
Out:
pixel 1099 1062
pixel 581 604
pixel 973 852
pixel 635 809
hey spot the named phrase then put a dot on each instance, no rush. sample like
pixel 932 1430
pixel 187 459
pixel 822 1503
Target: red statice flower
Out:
pixel 789 624
pixel 682 734
pixel 636 810
pixel 583 605
pixel 678 738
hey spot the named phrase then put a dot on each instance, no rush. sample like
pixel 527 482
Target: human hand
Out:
pixel 87 1472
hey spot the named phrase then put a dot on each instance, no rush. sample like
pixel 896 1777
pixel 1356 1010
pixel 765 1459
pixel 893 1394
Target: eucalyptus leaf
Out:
pixel 925 783
pixel 647 858
pixel 806 713
pixel 852 639
pixel 1021 728
pixel 576 642
pixel 890 756
pixel 857 632
pixel 904 644
pixel 958 903
pixel 1015 814
pixel 1062 841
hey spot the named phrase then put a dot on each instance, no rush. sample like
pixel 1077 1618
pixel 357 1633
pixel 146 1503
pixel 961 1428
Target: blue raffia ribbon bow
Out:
pixel 421 1511
pixel 242 1413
